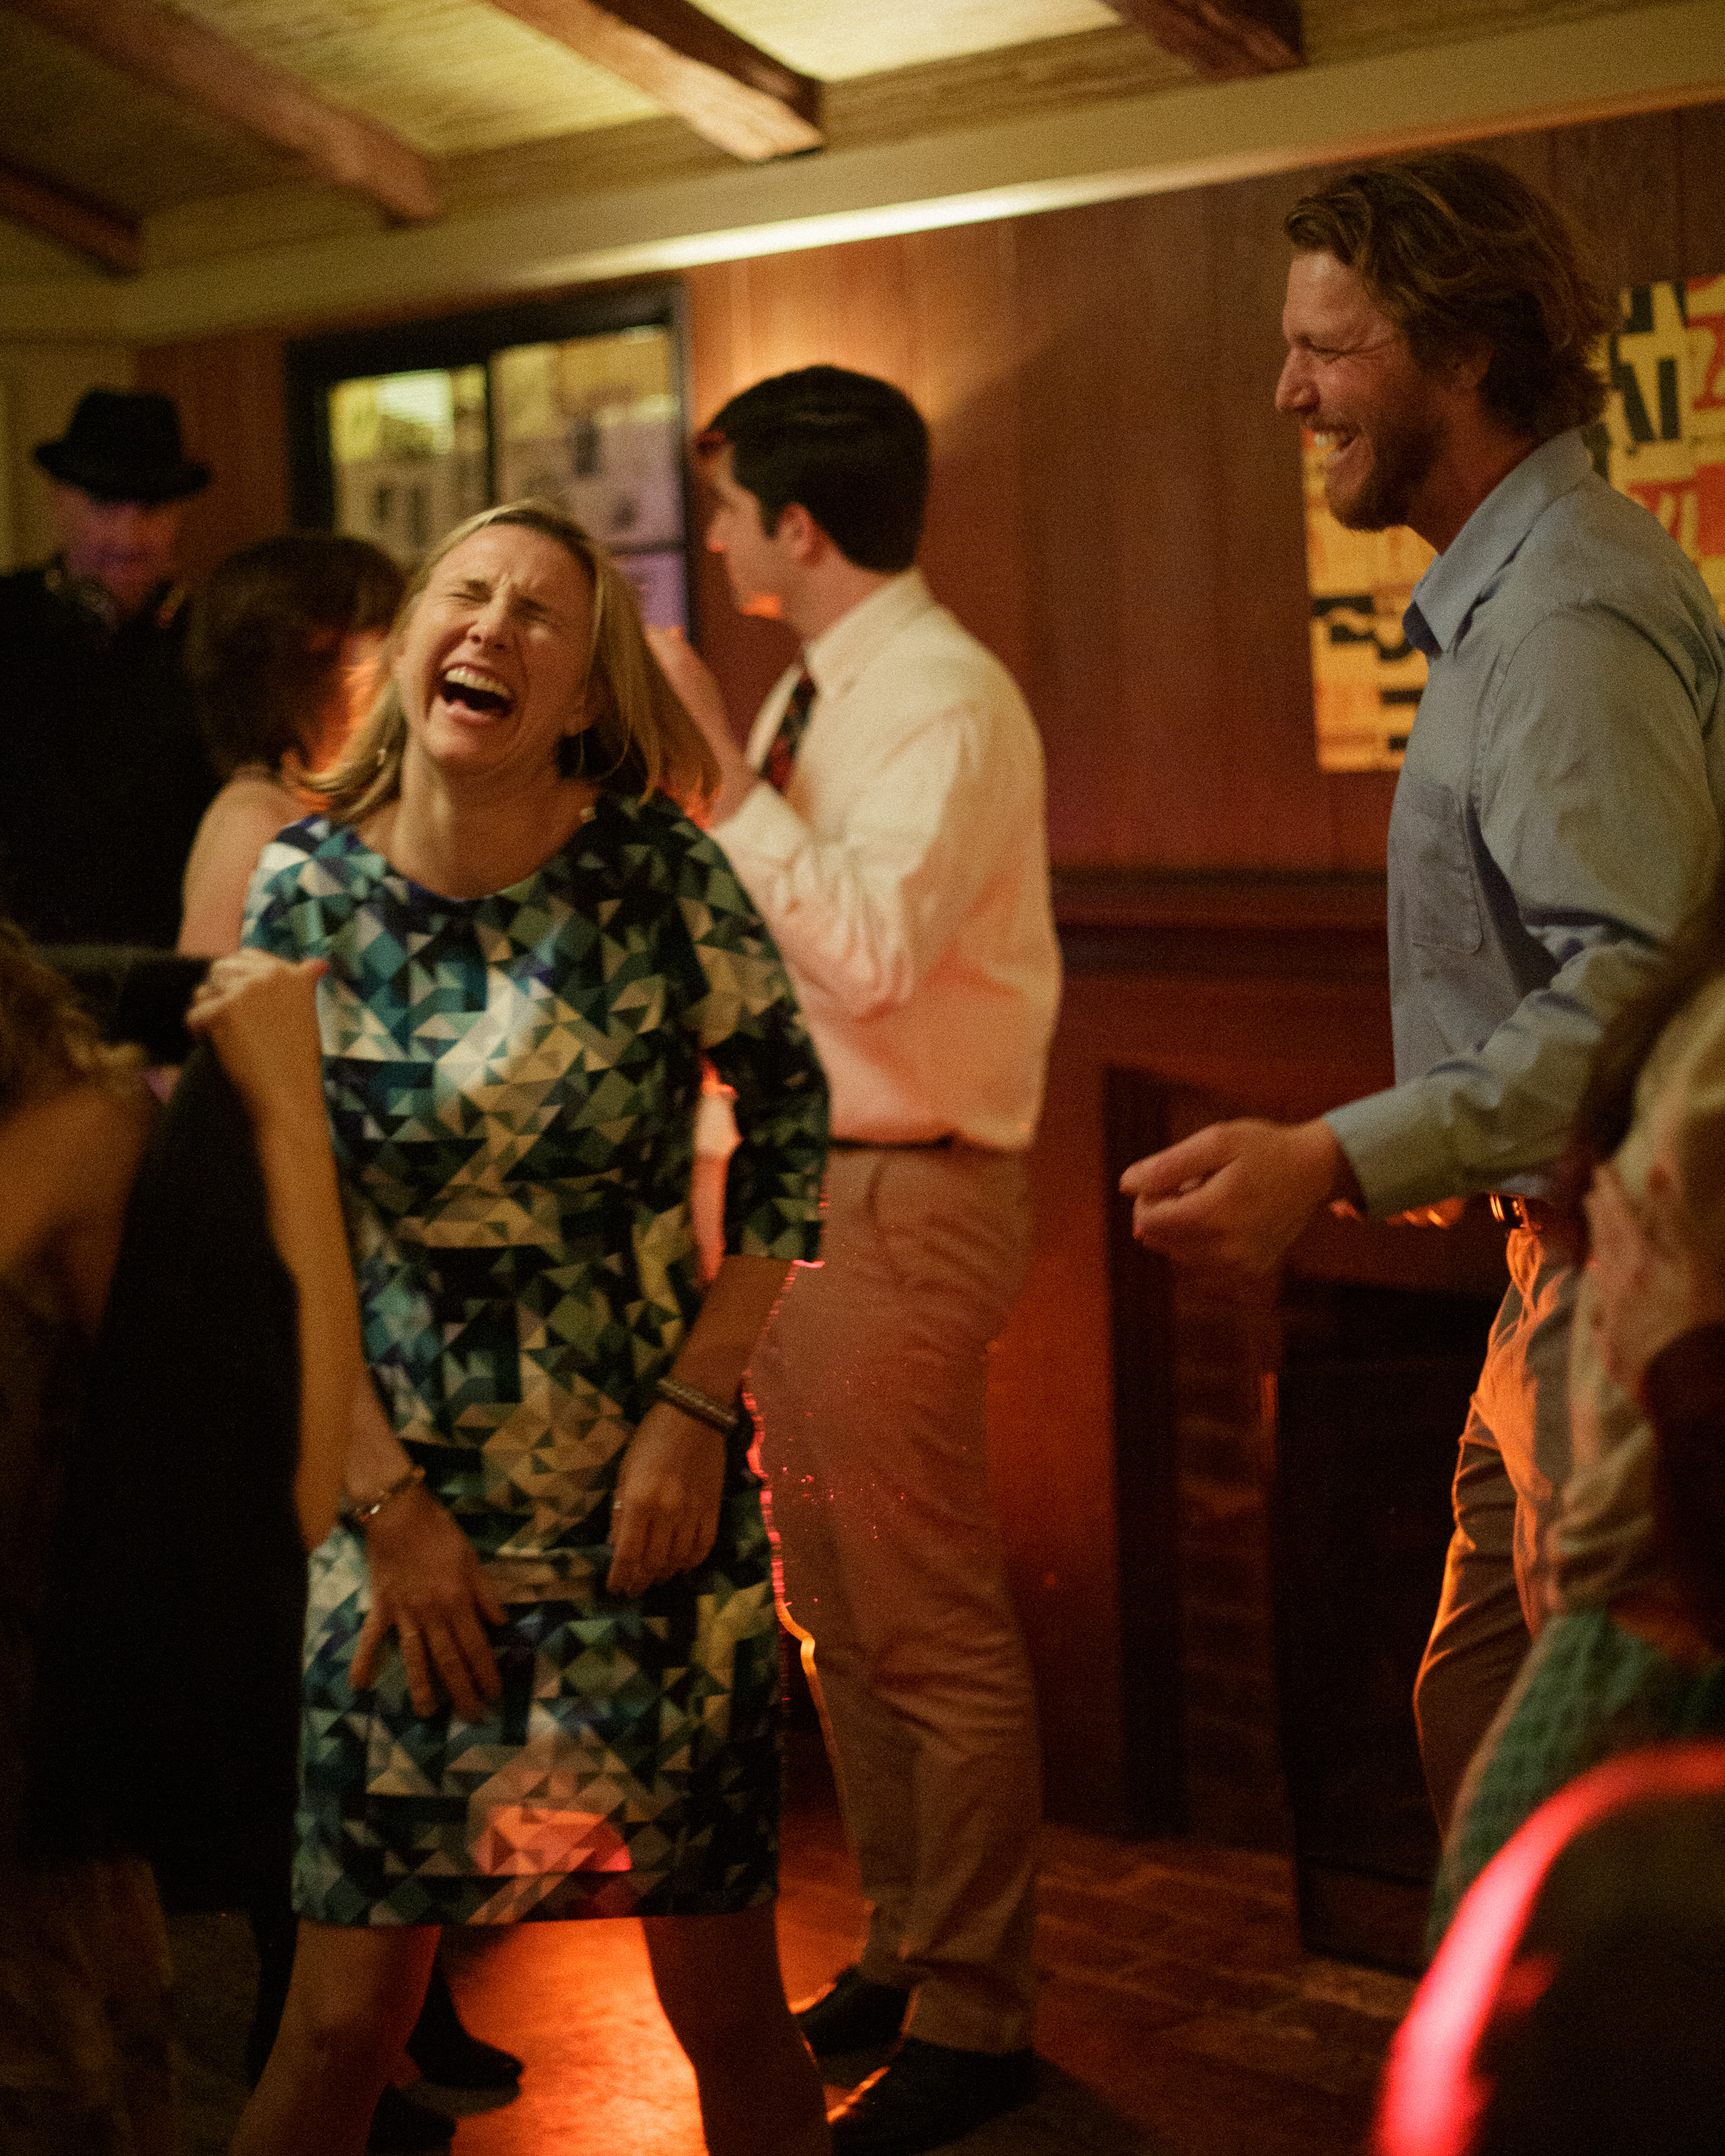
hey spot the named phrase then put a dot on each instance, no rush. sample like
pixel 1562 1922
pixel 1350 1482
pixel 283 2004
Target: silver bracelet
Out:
pixel 702 1406
pixel 357 1516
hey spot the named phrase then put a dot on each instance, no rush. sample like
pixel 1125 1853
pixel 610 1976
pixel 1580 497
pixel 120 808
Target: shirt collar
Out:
pixel 839 654
pixel 1453 585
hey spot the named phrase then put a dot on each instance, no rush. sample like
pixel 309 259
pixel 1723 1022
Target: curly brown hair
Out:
pixel 1457 251
pixel 47 1039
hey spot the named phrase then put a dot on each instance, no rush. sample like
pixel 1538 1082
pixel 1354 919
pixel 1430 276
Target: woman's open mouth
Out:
pixel 471 692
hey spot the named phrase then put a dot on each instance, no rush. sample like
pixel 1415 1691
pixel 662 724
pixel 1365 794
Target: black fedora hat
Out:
pixel 123 445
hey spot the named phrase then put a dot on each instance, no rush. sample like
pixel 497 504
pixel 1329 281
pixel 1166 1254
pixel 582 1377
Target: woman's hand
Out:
pixel 260 1014
pixel 428 1585
pixel 665 1514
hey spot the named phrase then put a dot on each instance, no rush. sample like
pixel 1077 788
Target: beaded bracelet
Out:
pixel 357 1516
pixel 702 1406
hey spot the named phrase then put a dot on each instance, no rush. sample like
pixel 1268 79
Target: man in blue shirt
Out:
pixel 1558 814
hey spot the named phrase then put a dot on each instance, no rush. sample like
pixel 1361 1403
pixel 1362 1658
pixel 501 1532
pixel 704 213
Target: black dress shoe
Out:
pixel 402 2128
pixel 450 2055
pixel 855 2015
pixel 930 2095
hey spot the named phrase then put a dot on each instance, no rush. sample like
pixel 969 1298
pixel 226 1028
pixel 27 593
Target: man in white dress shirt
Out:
pixel 887 821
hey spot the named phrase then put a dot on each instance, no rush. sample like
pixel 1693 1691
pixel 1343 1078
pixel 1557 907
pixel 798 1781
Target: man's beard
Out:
pixel 1402 453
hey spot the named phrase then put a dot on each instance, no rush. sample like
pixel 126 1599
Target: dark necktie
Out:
pixel 781 752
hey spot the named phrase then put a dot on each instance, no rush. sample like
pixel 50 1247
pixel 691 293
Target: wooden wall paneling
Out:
pixel 1701 170
pixel 842 304
pixel 747 656
pixel 229 391
pixel 1071 368
pixel 1528 156
pixel 1166 581
pixel 1357 804
pixel 1620 178
pixel 962 289
pixel 1263 648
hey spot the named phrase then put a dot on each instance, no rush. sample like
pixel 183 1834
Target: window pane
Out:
pixel 409 453
pixel 592 424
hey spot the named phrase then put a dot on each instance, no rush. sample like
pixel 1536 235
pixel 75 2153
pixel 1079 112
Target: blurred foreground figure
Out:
pixel 85 2044
pixel 1635 1649
pixel 103 776
pixel 1575 2008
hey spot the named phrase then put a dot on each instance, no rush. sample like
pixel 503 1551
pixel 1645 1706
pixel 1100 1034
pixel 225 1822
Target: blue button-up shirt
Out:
pixel 1558 813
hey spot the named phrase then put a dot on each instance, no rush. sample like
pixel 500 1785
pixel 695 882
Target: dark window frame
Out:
pixel 315 365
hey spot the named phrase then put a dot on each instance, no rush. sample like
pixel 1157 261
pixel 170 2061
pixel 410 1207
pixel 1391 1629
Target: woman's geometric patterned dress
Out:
pixel 511 1083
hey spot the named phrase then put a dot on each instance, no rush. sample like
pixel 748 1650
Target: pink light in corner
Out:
pixel 1432 2096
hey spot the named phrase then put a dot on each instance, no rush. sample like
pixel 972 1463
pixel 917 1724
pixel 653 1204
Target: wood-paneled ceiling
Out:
pixel 131 125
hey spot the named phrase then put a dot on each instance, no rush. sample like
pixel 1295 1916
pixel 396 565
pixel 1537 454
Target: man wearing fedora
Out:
pixel 102 772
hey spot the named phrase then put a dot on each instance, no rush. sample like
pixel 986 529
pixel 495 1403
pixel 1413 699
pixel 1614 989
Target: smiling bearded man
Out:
pixel 1557 816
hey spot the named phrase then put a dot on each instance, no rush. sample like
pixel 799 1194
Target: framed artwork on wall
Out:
pixel 1661 440
pixel 398 434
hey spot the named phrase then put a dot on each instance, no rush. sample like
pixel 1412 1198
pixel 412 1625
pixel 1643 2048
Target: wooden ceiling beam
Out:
pixel 175 53
pixel 1224 39
pixel 97 234
pixel 726 89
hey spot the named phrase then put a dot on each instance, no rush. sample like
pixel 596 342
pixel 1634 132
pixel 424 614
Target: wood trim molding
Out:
pixel 1224 39
pixel 94 233
pixel 173 53
pixel 729 91
pixel 1289 926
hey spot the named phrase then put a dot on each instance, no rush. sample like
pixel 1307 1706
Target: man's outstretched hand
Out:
pixel 1232 1197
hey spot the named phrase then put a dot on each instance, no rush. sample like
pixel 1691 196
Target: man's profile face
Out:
pixel 126 547
pixel 753 560
pixel 1350 378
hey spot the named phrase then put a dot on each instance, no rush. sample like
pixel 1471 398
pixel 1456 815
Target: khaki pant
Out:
pixel 871 1383
pixel 1514 1456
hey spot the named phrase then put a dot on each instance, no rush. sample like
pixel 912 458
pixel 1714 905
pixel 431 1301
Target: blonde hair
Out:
pixel 638 734
pixel 48 1041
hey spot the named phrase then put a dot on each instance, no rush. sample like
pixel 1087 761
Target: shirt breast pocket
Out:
pixel 1435 867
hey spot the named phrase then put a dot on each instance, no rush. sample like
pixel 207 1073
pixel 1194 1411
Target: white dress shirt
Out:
pixel 904 876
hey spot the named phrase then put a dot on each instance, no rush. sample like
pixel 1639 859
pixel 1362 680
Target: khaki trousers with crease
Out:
pixel 871 1382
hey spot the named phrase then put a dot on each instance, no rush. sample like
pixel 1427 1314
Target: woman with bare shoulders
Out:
pixel 283 653
pixel 84 2055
